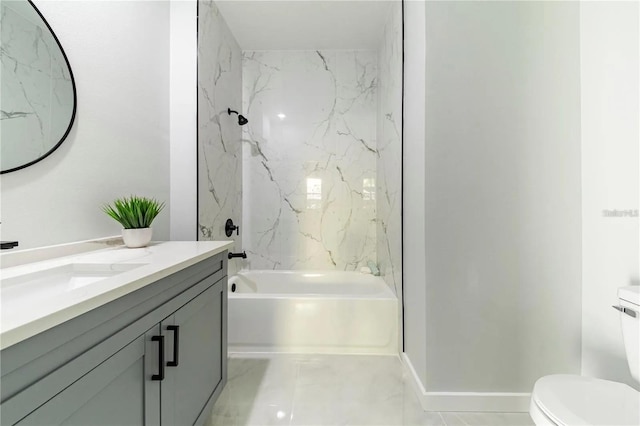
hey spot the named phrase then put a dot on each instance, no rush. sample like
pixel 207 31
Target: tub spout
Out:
pixel 242 255
pixel 7 245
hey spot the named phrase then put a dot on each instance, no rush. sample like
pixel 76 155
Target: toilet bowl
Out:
pixel 568 400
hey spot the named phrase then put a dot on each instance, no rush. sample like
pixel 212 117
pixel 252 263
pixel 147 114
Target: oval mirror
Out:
pixel 38 93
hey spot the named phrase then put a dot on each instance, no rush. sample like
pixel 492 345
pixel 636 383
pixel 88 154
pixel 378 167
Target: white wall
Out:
pixel 502 194
pixel 119 144
pixel 610 178
pixel 183 111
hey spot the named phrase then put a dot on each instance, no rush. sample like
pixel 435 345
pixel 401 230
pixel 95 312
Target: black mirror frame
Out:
pixel 75 99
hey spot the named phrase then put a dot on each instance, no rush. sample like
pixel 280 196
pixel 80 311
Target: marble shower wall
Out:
pixel 310 159
pixel 389 170
pixel 219 135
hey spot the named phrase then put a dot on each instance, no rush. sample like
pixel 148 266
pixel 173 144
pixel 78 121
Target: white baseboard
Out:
pixel 508 402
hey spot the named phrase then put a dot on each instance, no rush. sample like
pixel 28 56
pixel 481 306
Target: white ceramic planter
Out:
pixel 139 237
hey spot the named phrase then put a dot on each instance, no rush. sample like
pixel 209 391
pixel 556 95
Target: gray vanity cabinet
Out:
pixel 159 358
pixel 114 393
pixel 195 330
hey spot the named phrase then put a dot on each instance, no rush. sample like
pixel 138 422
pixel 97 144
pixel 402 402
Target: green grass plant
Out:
pixel 134 212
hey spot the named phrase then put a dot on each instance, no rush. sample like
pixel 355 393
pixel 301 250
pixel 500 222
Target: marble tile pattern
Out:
pixel 37 93
pixel 389 168
pixel 219 135
pixel 332 390
pixel 310 158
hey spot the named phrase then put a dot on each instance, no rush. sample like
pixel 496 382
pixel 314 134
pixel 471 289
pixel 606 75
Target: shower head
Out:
pixel 241 118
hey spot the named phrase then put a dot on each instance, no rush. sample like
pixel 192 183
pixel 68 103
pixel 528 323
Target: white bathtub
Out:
pixel 312 312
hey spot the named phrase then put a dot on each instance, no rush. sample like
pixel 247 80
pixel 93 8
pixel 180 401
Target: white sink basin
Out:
pixel 67 277
pixel 48 289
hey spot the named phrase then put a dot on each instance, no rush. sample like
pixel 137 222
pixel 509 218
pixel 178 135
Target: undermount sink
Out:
pixel 67 277
pixel 45 287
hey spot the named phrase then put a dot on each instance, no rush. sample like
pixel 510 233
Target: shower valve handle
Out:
pixel 229 227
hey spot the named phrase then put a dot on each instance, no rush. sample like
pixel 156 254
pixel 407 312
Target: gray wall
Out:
pixel 413 162
pixel 502 191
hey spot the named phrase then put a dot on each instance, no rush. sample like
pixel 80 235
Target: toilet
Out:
pixel 570 400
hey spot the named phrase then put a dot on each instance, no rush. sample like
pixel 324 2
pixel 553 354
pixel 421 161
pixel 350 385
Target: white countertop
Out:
pixel 30 307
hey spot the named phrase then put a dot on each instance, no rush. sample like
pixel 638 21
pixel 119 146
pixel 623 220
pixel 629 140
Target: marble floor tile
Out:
pixel 487 419
pixel 318 414
pixel 260 381
pixel 422 418
pixel 412 412
pixel 257 414
pixel 227 415
pixel 349 390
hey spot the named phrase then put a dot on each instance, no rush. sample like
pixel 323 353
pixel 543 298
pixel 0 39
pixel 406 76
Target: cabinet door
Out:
pixel 119 391
pixel 188 386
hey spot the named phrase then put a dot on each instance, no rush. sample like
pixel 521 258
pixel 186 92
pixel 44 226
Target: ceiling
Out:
pixel 305 24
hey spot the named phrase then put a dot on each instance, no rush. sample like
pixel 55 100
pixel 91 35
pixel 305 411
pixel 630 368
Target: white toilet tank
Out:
pixel 629 320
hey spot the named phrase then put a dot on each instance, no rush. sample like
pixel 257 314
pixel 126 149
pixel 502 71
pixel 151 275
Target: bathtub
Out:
pixel 311 312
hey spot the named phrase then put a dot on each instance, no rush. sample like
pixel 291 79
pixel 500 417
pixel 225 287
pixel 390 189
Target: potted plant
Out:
pixel 135 214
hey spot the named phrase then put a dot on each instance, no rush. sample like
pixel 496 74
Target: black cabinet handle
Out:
pixel 160 376
pixel 176 344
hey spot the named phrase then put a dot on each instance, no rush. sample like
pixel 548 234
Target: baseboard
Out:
pixel 508 402
pixel 320 350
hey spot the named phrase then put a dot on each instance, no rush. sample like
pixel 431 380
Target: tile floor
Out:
pixel 332 390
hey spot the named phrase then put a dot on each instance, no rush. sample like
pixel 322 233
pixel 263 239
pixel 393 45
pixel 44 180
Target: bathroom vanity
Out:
pixel 115 335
